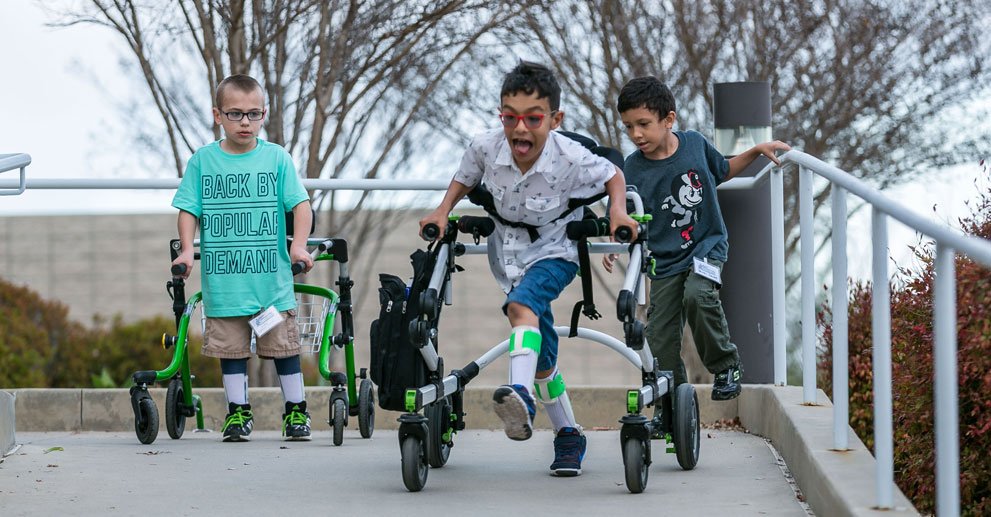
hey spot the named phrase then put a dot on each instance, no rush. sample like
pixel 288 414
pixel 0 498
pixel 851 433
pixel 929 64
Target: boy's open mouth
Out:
pixel 522 146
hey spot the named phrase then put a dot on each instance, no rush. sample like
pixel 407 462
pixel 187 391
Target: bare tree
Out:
pixel 347 81
pixel 879 88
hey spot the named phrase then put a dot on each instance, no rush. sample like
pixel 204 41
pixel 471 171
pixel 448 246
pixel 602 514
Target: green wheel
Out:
pixel 635 463
pixel 149 414
pixel 175 419
pixel 686 426
pixel 414 464
pixel 438 426
pixel 366 409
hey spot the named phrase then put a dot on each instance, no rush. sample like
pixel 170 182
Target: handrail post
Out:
pixel 881 336
pixel 841 399
pixel 945 389
pixel 780 330
pixel 808 285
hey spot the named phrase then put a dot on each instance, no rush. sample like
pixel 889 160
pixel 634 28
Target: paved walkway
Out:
pixel 113 474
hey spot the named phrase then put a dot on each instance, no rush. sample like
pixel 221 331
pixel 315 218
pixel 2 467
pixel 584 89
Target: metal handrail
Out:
pixel 310 184
pixel 948 241
pixel 10 162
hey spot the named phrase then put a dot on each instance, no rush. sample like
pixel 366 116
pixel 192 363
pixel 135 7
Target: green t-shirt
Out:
pixel 240 201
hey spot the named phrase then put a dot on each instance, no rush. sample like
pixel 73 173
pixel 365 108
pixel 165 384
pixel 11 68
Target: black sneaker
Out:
pixel 727 385
pixel 515 407
pixel 238 424
pixel 296 421
pixel 569 449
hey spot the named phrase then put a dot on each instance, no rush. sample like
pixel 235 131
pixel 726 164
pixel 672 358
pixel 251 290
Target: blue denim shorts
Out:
pixel 541 285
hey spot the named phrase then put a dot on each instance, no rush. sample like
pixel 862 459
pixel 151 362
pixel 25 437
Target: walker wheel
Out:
pixel 366 408
pixel 175 419
pixel 339 410
pixel 686 426
pixel 438 425
pixel 149 416
pixel 635 462
pixel 414 464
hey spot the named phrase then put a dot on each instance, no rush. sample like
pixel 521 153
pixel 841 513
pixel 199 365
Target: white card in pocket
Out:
pixel 266 321
pixel 706 270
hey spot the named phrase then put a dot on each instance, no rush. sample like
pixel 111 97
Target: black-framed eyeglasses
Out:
pixel 236 116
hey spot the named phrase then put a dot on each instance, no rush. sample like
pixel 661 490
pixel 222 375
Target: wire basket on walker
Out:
pixel 317 310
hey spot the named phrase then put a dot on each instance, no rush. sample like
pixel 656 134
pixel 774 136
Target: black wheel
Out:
pixel 414 464
pixel 438 425
pixel 686 426
pixel 635 461
pixel 366 408
pixel 339 409
pixel 149 414
pixel 175 419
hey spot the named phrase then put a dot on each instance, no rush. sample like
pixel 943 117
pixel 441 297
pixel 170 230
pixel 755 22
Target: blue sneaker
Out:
pixel 515 407
pixel 569 449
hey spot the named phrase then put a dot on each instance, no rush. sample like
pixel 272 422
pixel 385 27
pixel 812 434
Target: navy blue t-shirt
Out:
pixel 680 192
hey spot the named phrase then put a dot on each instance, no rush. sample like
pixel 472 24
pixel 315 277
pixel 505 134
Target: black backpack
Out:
pixel 396 364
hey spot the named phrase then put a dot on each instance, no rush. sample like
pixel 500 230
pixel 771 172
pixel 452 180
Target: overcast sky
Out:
pixel 52 108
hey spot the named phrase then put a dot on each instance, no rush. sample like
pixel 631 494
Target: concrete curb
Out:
pixel 53 410
pixel 7 437
pixel 833 482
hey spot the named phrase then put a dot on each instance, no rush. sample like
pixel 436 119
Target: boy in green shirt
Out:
pixel 236 191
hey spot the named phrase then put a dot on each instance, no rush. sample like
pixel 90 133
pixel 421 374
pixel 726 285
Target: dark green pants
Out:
pixel 695 299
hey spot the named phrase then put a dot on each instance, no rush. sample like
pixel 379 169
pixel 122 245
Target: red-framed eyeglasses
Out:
pixel 530 120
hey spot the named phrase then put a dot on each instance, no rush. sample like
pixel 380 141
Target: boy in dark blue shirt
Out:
pixel 676 173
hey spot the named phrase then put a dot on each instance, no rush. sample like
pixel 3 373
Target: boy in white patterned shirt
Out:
pixel 532 173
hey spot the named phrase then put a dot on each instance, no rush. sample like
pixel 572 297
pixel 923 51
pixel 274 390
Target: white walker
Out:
pixel 426 436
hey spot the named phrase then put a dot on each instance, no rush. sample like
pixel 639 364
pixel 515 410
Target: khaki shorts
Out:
pixel 230 338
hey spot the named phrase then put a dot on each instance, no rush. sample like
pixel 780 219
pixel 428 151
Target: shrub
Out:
pixel 912 371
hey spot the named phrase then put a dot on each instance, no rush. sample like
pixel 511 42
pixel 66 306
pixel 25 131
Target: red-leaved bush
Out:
pixel 912 371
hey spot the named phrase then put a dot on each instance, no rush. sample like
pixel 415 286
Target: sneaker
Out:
pixel 296 421
pixel 515 407
pixel 238 424
pixel 569 449
pixel 727 385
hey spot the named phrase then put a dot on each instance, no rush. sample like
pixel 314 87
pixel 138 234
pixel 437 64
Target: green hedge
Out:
pixel 912 372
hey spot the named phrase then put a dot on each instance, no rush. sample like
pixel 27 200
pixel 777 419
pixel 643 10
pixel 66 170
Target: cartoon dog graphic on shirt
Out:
pixel 686 193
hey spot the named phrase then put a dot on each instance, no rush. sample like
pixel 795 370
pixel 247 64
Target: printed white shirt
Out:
pixel 564 170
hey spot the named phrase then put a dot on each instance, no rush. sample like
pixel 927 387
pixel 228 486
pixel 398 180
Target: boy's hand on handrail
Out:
pixel 185 261
pixel 298 253
pixel 437 217
pixel 768 149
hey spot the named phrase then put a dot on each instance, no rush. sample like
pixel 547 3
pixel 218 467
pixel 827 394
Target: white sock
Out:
pixel 523 361
pixel 292 387
pixel 559 408
pixel 236 388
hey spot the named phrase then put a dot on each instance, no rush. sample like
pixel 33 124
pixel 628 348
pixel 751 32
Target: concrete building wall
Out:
pixel 118 264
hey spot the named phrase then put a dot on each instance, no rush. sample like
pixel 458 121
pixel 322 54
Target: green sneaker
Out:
pixel 296 421
pixel 238 424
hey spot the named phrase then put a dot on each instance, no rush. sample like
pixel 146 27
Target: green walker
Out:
pixel 317 308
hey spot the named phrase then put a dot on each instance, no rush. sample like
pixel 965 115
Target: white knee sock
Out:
pixel 558 406
pixel 523 357
pixel 292 387
pixel 236 388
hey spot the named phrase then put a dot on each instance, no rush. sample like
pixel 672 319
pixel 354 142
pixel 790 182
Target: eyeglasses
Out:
pixel 236 116
pixel 530 120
